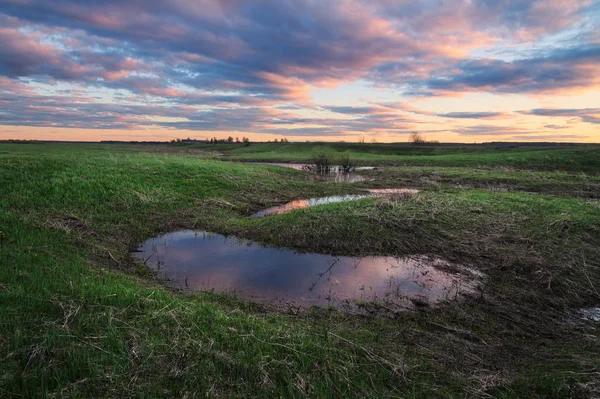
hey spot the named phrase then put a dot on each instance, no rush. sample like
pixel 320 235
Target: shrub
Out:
pixel 345 163
pixel 321 162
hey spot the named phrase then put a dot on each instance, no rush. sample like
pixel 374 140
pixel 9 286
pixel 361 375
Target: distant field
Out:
pixel 80 318
pixel 552 158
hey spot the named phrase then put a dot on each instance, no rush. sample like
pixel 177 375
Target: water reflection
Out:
pixel 295 166
pixel 207 262
pixel 590 314
pixel 345 178
pixel 304 166
pixel 305 203
pixel 334 175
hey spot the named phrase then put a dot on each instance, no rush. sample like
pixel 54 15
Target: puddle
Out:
pixel 590 314
pixel 295 166
pixel 305 203
pixel 345 178
pixel 393 191
pixel 203 261
pixel 334 175
pixel 304 166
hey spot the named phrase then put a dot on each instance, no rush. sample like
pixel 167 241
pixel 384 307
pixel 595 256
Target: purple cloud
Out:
pixel 234 64
pixel 475 115
pixel 589 115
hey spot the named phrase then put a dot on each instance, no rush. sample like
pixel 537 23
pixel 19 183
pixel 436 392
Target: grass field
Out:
pixel 549 158
pixel 79 318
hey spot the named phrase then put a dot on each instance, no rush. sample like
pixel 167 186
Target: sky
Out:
pixel 317 70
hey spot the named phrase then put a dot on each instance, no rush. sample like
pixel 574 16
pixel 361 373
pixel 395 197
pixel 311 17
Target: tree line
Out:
pixel 229 140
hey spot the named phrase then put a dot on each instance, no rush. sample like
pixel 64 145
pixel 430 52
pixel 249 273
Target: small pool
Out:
pixel 201 261
pixel 304 166
pixel 306 203
pixel 334 175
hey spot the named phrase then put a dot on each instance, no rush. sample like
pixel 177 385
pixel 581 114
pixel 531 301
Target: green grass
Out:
pixel 79 319
pixel 572 185
pixel 563 158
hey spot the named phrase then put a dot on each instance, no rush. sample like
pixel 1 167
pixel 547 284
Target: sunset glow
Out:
pixel 454 71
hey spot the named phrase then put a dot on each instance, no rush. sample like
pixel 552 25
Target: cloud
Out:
pixel 318 43
pixel 233 64
pixel 589 115
pixel 549 137
pixel 74 108
pixel 475 115
pixel 350 110
pixel 492 130
pixel 556 127
pixel 563 70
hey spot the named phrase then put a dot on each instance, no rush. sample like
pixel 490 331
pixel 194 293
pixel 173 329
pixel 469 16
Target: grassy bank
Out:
pixel 533 181
pixel 79 319
pixel 549 158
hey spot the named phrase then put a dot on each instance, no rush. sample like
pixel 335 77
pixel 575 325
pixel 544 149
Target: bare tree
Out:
pixel 416 138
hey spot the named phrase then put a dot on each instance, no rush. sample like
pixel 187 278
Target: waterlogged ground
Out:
pixel 590 314
pixel 334 175
pixel 306 203
pixel 303 166
pixel 203 261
